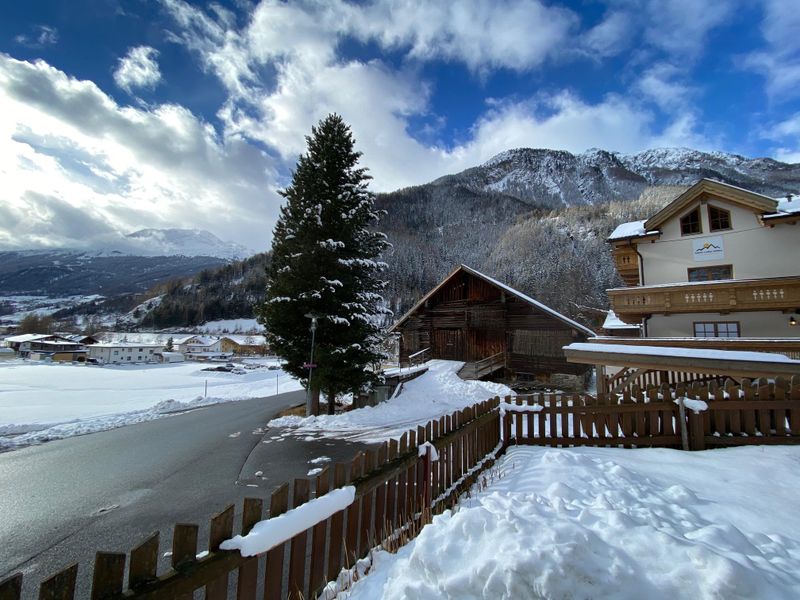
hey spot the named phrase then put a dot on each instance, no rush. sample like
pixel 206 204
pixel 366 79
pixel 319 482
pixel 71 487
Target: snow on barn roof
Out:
pixel 504 287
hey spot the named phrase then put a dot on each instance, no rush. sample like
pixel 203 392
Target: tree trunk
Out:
pixel 331 402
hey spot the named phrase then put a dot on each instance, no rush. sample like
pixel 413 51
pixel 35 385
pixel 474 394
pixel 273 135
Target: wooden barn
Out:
pixel 493 328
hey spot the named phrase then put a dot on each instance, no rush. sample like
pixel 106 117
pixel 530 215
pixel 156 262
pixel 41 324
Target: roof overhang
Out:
pixel 725 363
pixel 731 193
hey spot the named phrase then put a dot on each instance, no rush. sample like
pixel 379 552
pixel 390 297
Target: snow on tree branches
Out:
pixel 324 263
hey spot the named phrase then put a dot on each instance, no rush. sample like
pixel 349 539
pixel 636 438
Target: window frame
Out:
pixel 711 222
pixel 695 210
pixel 715 325
pixel 690 269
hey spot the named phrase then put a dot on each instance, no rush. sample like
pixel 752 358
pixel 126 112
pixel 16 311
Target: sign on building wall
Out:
pixel 711 248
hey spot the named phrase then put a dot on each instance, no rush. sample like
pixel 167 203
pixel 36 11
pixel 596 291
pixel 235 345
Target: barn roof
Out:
pixel 464 268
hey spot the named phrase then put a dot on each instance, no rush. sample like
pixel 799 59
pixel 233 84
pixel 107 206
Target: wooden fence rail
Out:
pixel 750 412
pixel 397 489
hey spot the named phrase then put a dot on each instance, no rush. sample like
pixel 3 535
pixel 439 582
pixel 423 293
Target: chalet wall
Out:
pixel 754 251
pixel 766 324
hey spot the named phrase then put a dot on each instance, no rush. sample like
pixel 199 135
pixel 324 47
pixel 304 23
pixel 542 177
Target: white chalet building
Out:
pixel 717 262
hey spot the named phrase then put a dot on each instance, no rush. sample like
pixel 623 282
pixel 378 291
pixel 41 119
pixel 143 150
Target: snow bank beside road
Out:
pixel 611 523
pixel 438 392
pixel 46 401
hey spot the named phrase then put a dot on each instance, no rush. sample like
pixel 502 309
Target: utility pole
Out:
pixel 309 404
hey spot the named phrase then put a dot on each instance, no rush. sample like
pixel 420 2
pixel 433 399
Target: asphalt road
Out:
pixel 62 501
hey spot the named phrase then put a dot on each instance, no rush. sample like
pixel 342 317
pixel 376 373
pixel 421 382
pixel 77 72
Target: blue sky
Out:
pixel 117 115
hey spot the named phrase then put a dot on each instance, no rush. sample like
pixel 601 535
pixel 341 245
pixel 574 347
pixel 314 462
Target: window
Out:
pixel 690 223
pixel 714 273
pixel 716 329
pixel 718 218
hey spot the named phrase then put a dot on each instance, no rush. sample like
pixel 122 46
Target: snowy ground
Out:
pixel 436 393
pixel 41 401
pixel 611 523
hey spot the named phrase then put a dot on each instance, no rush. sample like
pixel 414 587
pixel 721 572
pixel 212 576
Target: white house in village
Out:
pixel 717 262
pixel 124 352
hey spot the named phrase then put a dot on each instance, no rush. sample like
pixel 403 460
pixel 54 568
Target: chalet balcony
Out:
pixel 632 304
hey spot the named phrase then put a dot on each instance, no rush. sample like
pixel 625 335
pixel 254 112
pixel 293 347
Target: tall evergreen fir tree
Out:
pixel 324 263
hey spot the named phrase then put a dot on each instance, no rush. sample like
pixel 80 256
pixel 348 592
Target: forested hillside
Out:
pixel 557 256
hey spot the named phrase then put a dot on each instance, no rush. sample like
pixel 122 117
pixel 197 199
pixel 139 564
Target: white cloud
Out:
pixel 483 34
pixel 609 37
pixel 787 135
pixel 65 144
pixel 681 27
pixel 41 36
pixel 138 69
pixel 664 84
pixel 779 62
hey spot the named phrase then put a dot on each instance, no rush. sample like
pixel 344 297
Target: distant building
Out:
pixel 199 345
pixel 243 345
pixel 124 353
pixel 169 357
pixel 23 344
pixel 57 350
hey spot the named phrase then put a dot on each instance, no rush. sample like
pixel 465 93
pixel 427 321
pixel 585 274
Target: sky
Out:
pixel 117 115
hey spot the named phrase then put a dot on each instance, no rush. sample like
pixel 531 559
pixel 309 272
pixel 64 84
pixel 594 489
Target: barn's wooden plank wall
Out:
pixel 468 318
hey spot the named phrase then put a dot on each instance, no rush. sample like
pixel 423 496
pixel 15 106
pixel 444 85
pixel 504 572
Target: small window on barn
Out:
pixel 690 223
pixel 718 218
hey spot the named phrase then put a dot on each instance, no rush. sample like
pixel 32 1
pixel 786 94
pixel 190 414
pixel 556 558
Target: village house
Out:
pixel 243 345
pixel 494 329
pixel 124 352
pixel 24 343
pixel 717 262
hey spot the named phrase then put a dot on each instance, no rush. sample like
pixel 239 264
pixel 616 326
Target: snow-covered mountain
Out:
pixel 553 178
pixel 183 242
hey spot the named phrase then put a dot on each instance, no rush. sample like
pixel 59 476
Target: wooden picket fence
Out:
pixel 751 412
pixel 398 489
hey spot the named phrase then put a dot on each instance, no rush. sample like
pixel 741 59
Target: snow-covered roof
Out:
pixel 687 353
pixel 628 230
pixel 504 287
pixel 127 344
pixel 614 322
pixel 246 340
pixel 199 340
pixel 27 337
pixel 59 343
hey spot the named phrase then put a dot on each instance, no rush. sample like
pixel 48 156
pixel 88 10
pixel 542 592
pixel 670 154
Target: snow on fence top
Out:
pixel 691 353
pixel 267 534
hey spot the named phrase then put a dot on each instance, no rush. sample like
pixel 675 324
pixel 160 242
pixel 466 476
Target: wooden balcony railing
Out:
pixel 777 293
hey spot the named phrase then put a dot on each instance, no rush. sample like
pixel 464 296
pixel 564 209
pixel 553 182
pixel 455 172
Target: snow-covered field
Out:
pixel 438 392
pixel 620 524
pixel 41 401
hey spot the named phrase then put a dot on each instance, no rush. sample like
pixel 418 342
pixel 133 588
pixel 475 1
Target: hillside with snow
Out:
pixel 558 178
